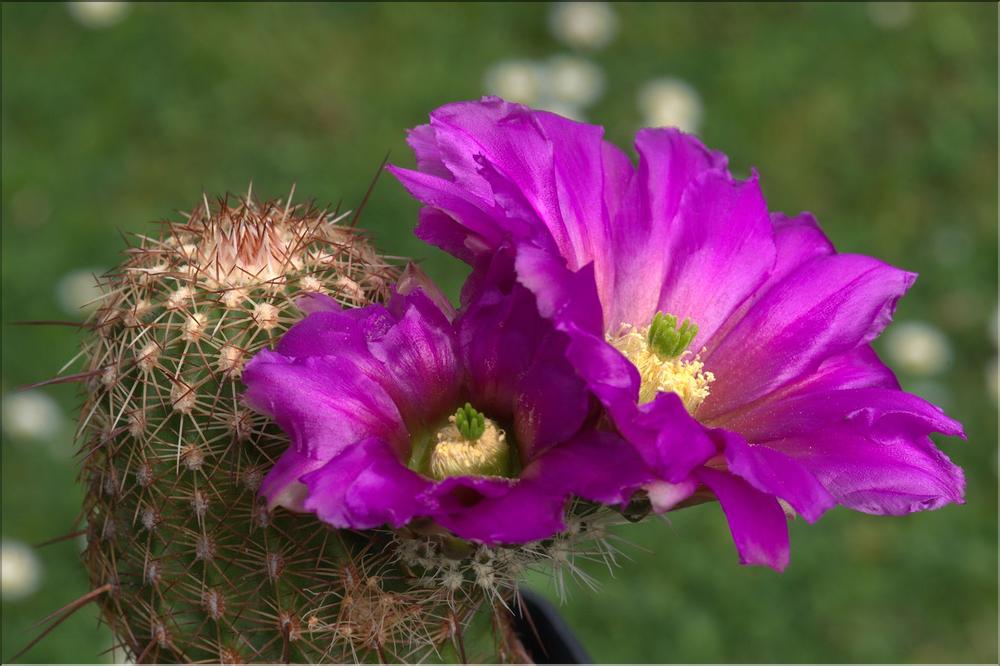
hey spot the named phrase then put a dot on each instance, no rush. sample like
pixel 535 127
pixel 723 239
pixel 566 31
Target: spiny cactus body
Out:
pixel 194 566
pixel 186 560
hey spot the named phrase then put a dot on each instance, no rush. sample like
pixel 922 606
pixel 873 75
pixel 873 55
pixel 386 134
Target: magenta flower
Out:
pixel 402 412
pixel 728 344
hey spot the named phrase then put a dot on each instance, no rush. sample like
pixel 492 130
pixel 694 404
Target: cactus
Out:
pixel 190 564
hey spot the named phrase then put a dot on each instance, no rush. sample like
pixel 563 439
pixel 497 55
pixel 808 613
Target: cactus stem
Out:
pixel 208 573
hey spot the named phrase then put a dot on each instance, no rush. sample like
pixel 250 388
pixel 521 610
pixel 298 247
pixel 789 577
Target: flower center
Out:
pixel 659 353
pixel 470 445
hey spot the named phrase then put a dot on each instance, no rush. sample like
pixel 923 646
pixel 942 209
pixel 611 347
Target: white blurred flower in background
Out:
pixel 918 348
pixel 519 81
pixel 77 291
pixel 31 415
pixel 119 656
pixel 670 102
pixel 890 15
pixel 97 14
pixel 583 25
pixel 563 84
pixel 563 109
pixel 572 80
pixel 20 571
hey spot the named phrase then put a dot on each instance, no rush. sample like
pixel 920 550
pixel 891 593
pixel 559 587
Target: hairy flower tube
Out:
pixel 729 345
pixel 477 422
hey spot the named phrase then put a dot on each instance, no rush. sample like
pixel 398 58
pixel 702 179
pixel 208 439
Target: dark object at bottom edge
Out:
pixel 544 633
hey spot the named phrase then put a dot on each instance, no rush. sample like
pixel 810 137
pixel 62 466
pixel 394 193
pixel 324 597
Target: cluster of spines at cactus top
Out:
pixel 192 565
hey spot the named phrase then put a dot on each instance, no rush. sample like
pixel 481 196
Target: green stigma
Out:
pixel 666 339
pixel 470 423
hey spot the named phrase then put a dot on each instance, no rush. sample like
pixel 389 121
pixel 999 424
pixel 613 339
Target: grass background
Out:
pixel 889 137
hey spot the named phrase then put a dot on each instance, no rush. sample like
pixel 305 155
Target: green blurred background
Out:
pixel 880 120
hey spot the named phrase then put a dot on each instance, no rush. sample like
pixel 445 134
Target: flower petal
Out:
pixel 414 278
pixel 364 487
pixel 797 240
pixel 423 140
pixel 311 302
pixel 563 295
pixel 552 402
pixel 333 332
pixel 776 474
pixel 494 511
pixel 720 249
pixel 282 485
pixel 543 178
pixel 672 443
pixel 441 230
pixel 669 162
pixel 406 348
pixel 499 331
pixel 878 476
pixel 618 174
pixel 323 403
pixel 664 496
pixel 609 375
pixel 874 411
pixel 570 300
pixel 598 466
pixel 419 359
pixel 516 366
pixel 858 368
pixel 581 180
pixel 862 437
pixel 512 142
pixel 482 220
pixel 756 519
pixel 827 307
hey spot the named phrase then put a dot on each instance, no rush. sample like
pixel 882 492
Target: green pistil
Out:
pixel 470 423
pixel 666 339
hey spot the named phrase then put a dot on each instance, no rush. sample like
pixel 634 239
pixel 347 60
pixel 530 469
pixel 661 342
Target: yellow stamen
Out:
pixel 682 374
pixel 455 454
